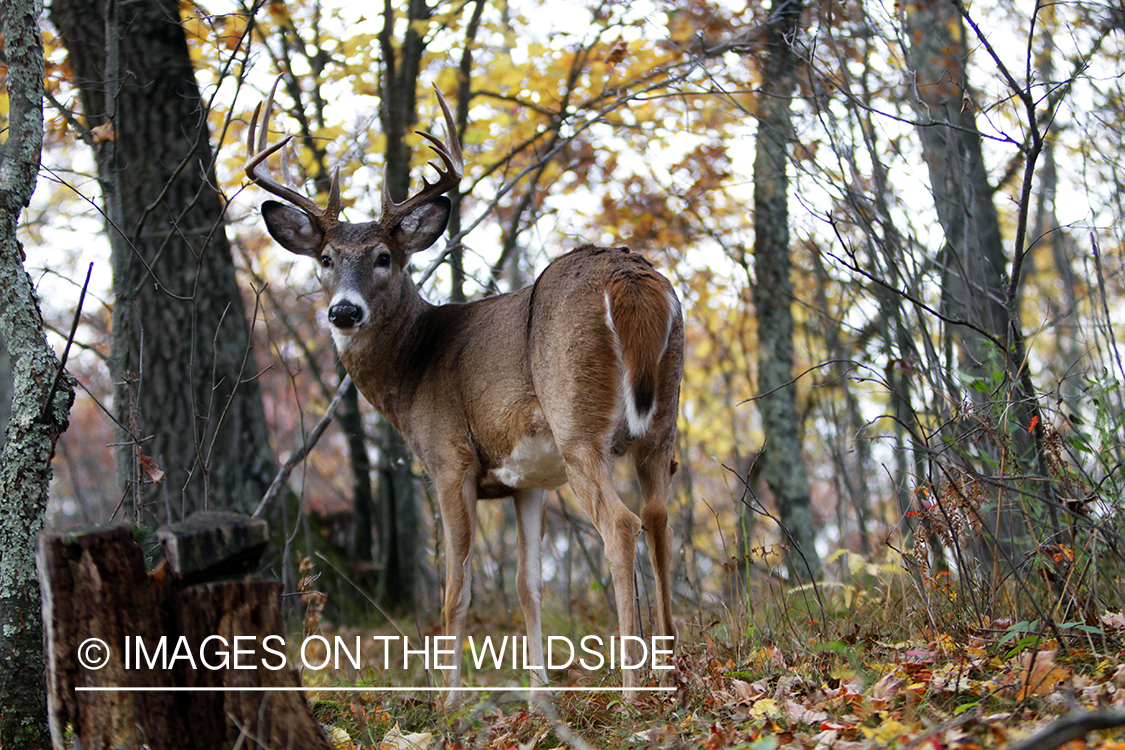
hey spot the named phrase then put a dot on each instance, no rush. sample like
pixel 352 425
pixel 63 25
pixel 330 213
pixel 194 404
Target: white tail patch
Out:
pixel 636 421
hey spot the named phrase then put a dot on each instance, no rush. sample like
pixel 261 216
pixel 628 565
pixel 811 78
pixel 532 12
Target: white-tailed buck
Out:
pixel 509 396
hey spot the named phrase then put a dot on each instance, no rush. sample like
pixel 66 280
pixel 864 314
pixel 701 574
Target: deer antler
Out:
pixel 449 174
pixel 259 174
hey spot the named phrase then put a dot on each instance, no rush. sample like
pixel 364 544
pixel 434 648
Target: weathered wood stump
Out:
pixel 182 660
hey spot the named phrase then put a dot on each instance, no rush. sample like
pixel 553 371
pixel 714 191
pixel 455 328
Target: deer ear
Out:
pixel 422 226
pixel 294 229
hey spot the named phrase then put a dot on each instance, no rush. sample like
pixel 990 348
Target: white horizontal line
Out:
pixel 375 689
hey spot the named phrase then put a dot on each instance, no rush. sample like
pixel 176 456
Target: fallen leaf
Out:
pixel 887 689
pixel 745 692
pixel 396 740
pixel 341 740
pixel 766 708
pixel 804 714
pixel 1039 674
pixel 1114 620
pixel 886 733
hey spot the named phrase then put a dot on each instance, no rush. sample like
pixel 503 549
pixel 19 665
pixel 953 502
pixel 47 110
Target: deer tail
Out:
pixel 641 307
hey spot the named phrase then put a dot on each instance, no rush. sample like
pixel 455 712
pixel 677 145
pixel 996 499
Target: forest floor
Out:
pixel 849 672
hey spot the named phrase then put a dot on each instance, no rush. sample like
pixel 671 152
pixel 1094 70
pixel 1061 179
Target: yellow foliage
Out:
pixel 887 733
pixel 766 708
pixel 360 44
pixel 4 109
pixel 279 11
pixel 364 86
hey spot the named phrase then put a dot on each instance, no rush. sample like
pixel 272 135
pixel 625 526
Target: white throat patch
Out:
pixel 340 339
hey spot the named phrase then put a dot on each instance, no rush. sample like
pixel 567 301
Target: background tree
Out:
pixel 40 398
pixel 186 399
pixel 784 469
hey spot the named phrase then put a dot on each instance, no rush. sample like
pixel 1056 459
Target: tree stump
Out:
pixel 179 662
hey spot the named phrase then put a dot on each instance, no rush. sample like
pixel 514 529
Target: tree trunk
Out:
pixel 181 348
pixel 974 275
pixel 235 691
pixel 351 423
pixel 398 502
pixel 399 516
pixel 973 265
pixel 41 395
pixel 773 293
pixel 1063 301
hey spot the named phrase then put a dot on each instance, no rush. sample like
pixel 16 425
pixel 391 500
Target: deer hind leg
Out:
pixel 588 472
pixel 530 507
pixel 458 506
pixel 654 466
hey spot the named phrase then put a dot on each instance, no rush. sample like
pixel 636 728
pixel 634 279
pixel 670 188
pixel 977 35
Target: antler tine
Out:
pixel 449 173
pixel 256 169
pixel 456 162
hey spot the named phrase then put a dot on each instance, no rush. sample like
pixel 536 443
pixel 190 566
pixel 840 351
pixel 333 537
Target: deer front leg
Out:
pixel 530 507
pixel 458 505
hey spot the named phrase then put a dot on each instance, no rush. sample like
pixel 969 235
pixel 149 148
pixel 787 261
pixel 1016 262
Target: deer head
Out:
pixel 363 264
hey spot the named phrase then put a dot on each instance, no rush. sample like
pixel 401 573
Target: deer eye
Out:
pixel 384 260
pixel 325 261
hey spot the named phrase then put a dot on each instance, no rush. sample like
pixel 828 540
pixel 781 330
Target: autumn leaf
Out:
pixel 278 10
pixel 151 469
pixel 103 132
pixel 616 53
pixel 1114 620
pixel 887 689
pixel 341 740
pixel 804 714
pixel 745 692
pixel 766 708
pixel 396 740
pixel 1039 674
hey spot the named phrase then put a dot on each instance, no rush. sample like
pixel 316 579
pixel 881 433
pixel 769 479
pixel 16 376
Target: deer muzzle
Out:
pixel 344 315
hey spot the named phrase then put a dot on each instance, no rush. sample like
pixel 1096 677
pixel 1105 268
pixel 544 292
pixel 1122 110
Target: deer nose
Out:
pixel 344 314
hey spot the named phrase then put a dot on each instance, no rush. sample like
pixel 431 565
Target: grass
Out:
pixel 883 659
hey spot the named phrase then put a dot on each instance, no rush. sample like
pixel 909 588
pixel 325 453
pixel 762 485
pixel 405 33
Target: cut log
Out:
pixel 251 612
pixel 211 545
pixel 95 586
pixel 156 633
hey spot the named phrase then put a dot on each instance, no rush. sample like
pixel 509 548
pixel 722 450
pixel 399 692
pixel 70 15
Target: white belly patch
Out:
pixel 534 464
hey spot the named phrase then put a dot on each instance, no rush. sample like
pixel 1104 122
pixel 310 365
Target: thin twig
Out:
pixel 310 442
pixel 69 343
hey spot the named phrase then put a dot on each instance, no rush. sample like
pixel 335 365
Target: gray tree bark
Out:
pixel 973 264
pixel 398 506
pixel 41 395
pixel 784 470
pixel 974 275
pixel 6 385
pixel 181 361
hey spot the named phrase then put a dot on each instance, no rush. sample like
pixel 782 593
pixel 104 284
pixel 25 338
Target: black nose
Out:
pixel 344 315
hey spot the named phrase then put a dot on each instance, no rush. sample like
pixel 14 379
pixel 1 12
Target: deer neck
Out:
pixel 382 357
